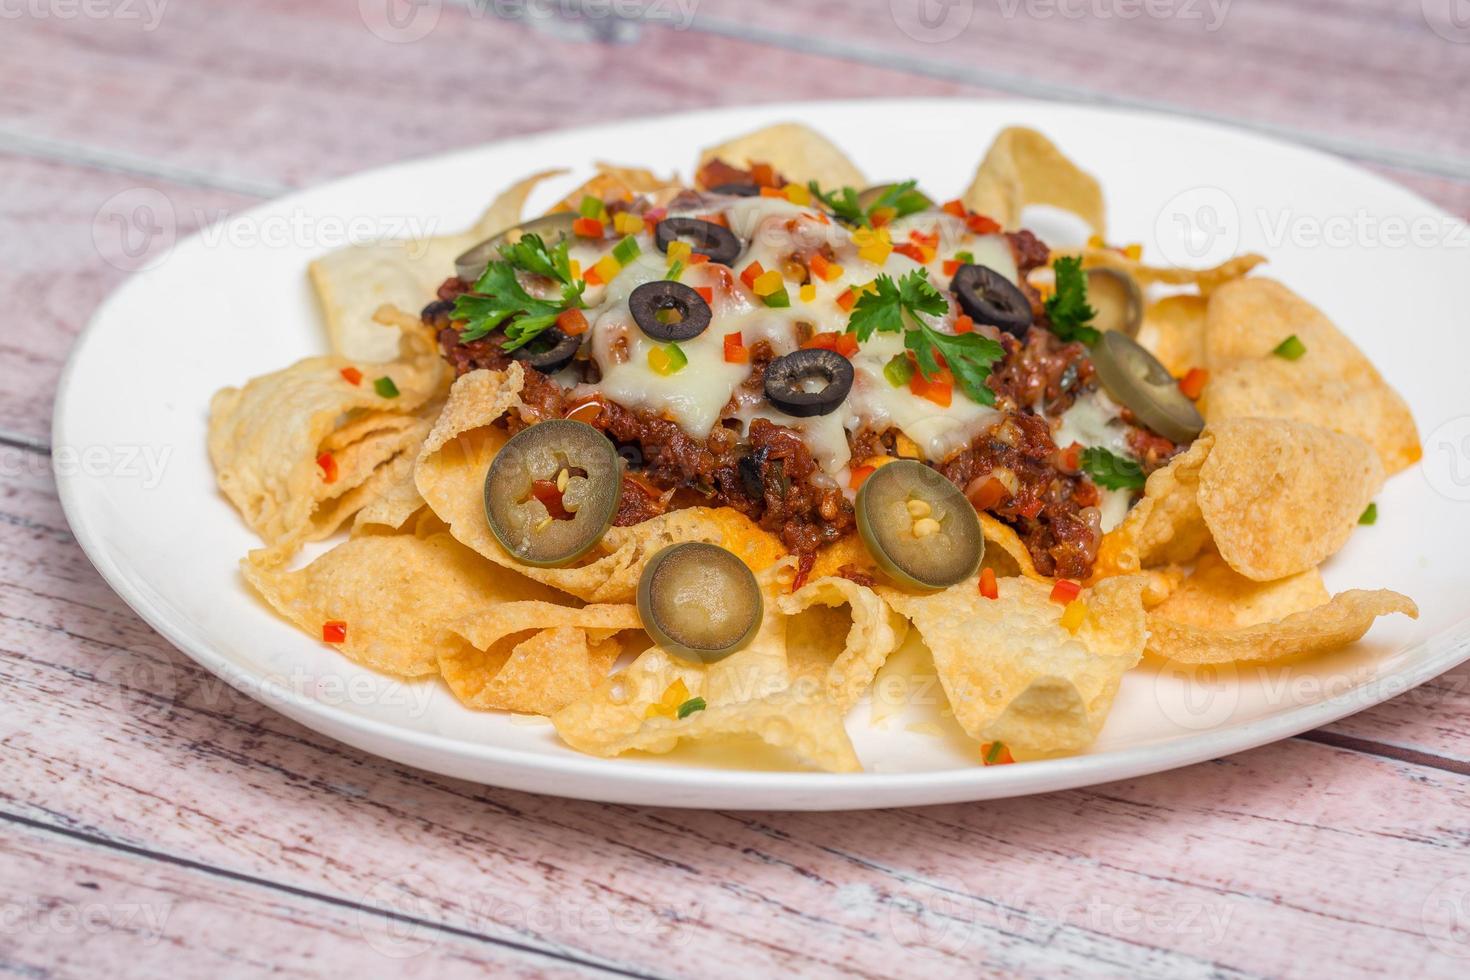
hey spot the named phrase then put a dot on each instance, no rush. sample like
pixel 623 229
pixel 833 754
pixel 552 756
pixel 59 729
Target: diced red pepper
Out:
pixel 981 225
pixel 334 632
pixel 1193 383
pixel 587 228
pixel 587 411
pixel 352 375
pixel 697 258
pixel 911 250
pixel 752 272
pixel 572 323
pixel 764 175
pixel 652 218
pixel 1071 457
pixel 735 351
pixel 996 754
pixel 706 293
pixel 327 463
pixel 550 497
pixel 771 192
pixel 1065 591
pixel 819 266
pixel 988 588
pixel 592 277
pixel 859 474
pixel 1030 508
pixel 955 207
pixel 951 266
pixel 939 389
pixel 845 344
pixel 847 300
pixel 716 219
pixel 963 324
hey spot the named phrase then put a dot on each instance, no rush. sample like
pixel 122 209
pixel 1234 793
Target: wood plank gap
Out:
pixel 25 443
pixel 1387 750
pixel 111 161
pixel 344 903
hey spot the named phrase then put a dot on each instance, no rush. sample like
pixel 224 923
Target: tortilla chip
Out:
pixel 1205 280
pixel 394 499
pixel 1166 525
pixel 1173 330
pixel 353 282
pixel 451 477
pixel 838 635
pixel 265 438
pixel 796 152
pixel 398 596
pixel 1219 616
pixel 1332 385
pixel 1278 497
pixel 748 694
pixel 534 657
pixel 612 183
pixel 1012 558
pixel 1013 673
pixel 1023 167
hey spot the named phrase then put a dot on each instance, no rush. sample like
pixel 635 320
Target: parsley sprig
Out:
pixel 498 295
pixel 893 307
pixel 904 198
pixel 1067 308
pixel 1110 470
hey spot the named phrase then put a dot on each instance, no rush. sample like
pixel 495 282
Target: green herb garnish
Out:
pixel 893 307
pixel 499 296
pixel 689 707
pixel 902 198
pixel 1291 348
pixel 1111 470
pixel 1067 308
pixel 385 388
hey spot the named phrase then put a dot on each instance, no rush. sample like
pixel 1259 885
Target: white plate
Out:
pixel 225 307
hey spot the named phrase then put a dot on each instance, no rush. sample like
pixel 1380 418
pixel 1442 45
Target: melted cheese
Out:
pixel 698 396
pixel 1096 420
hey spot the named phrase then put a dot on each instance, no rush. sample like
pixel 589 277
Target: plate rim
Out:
pixel 639 780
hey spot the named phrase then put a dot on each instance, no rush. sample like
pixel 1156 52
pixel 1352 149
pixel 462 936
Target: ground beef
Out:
pixel 1041 373
pixel 1052 510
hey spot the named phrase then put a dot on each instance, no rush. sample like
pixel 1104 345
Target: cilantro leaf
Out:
pixel 499 296
pixel 1067 308
pixel 903 198
pixel 968 356
pixel 1110 470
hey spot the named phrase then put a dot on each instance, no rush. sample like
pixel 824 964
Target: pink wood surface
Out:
pixel 132 785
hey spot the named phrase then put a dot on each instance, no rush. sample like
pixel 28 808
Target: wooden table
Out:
pixel 153 820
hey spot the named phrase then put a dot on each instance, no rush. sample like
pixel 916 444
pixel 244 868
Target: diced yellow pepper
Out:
pixel 797 194
pixel 668 705
pixel 768 283
pixel 833 272
pixel 1074 615
pixel 679 252
pixel 1095 241
pixel 608 268
pixel 627 223
pixel 575 267
pixel 1133 252
pixel 809 293
pixel 873 244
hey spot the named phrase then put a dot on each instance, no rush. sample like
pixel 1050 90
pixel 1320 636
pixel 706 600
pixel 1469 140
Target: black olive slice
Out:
pixel 1137 380
pixel 705 237
pixel 471 265
pixel 549 352
pixel 669 311
pixel 918 526
pixel 552 491
pixel 700 602
pixel 737 190
pixel 986 296
pixel 809 382
pixel 1117 300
